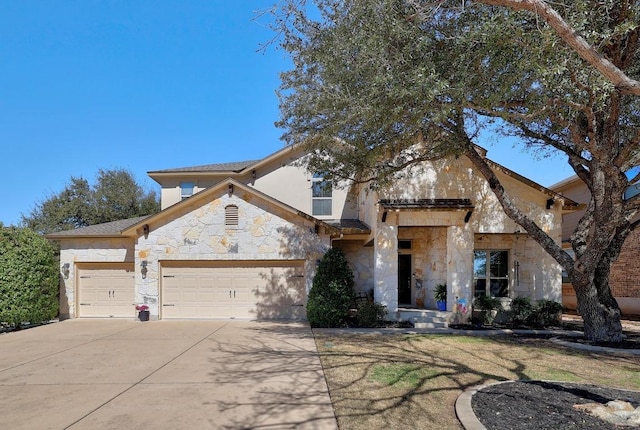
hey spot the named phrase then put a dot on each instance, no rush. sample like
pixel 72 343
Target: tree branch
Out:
pixel 617 77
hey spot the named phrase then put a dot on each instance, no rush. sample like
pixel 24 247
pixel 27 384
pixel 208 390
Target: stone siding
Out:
pixel 443 242
pixel 264 232
pixel 77 251
pixel 360 260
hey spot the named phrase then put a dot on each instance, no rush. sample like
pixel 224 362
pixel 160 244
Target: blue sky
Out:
pixel 143 85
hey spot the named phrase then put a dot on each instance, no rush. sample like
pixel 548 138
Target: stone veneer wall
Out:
pixel 540 275
pixel 536 271
pixel 265 232
pixel 429 259
pixel 75 251
pixel 360 259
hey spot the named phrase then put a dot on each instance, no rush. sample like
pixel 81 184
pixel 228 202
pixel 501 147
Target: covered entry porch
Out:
pixel 418 245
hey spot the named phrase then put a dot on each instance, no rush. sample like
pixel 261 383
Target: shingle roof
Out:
pixel 426 204
pixel 350 226
pixel 113 228
pixel 235 166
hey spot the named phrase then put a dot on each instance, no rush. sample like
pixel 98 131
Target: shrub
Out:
pixel 521 310
pixel 28 277
pixel 371 314
pixel 486 305
pixel 546 313
pixel 331 294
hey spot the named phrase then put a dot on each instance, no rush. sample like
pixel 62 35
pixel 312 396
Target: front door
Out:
pixel 404 279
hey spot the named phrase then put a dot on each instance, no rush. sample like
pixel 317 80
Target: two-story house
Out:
pixel 244 239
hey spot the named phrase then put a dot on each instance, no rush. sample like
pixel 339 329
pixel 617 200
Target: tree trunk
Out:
pixel 599 310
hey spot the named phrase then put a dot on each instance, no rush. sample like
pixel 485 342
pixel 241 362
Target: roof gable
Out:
pixel 230 186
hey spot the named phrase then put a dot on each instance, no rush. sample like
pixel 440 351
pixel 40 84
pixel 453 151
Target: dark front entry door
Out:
pixel 404 279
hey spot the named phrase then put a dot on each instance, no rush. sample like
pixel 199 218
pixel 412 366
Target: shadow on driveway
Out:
pixel 108 374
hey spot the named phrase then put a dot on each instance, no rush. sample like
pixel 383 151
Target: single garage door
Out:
pixel 106 290
pixel 241 289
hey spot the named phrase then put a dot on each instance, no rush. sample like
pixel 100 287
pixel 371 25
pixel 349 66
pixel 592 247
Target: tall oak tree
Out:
pixel 381 85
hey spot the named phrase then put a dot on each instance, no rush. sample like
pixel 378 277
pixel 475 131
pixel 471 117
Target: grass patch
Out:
pixel 551 374
pixel 401 374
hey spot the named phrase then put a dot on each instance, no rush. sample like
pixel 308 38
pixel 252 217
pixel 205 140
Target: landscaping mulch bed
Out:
pixel 525 405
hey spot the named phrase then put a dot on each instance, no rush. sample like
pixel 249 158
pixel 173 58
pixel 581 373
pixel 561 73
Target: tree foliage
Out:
pixel 331 294
pixel 379 86
pixel 28 277
pixel 116 195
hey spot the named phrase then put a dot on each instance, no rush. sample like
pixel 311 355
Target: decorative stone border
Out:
pixel 464 411
pixel 593 348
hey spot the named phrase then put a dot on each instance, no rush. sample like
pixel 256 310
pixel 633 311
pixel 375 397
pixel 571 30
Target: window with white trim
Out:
pixel 186 190
pixel 321 195
pixel 490 273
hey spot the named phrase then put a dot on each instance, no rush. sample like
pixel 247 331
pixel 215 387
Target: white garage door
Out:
pixel 106 290
pixel 243 289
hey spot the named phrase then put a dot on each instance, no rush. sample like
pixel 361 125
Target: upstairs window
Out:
pixel 321 192
pixel 186 190
pixel 490 273
pixel 231 216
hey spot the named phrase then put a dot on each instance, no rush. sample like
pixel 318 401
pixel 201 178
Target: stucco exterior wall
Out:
pixel 265 232
pixel 282 178
pixel 75 251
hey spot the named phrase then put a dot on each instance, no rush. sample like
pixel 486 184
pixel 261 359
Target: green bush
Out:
pixel 28 278
pixel 331 307
pixel 546 313
pixel 521 310
pixel 486 305
pixel 331 294
pixel 371 314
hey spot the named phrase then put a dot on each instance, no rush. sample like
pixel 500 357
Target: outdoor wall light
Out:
pixel 143 268
pixel 66 270
pixel 550 203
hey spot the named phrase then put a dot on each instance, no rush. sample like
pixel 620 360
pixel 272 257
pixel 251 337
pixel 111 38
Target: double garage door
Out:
pixel 106 290
pixel 242 289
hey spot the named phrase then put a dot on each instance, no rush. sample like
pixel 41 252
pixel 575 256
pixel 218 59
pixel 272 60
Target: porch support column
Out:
pixel 459 271
pixel 385 274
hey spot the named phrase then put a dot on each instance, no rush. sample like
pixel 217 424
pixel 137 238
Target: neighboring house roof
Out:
pixel 442 204
pixel 568 181
pixel 107 229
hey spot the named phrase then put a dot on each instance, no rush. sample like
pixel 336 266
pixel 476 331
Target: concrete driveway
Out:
pixel 124 374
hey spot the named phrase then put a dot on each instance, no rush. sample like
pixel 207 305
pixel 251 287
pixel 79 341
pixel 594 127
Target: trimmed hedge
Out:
pixel 331 294
pixel 28 278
